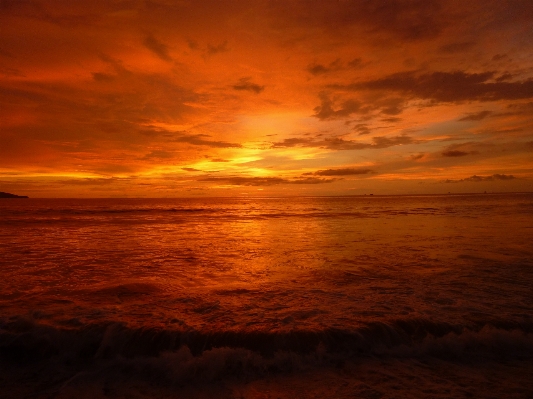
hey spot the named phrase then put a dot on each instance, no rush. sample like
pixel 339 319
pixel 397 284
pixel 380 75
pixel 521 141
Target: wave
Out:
pixel 104 360
pixel 23 339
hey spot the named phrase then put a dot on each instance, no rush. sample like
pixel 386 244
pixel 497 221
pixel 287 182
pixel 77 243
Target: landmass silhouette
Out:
pixel 8 195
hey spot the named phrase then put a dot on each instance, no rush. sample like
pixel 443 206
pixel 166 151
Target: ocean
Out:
pixel 302 297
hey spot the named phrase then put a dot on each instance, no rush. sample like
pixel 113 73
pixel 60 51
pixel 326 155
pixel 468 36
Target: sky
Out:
pixel 264 98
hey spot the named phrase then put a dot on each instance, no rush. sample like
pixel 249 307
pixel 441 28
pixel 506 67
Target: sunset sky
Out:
pixel 221 98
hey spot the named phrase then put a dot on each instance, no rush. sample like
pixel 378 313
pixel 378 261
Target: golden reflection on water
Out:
pixel 267 263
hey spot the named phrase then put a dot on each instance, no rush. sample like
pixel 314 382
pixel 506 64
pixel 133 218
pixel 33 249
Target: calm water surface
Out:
pixel 321 280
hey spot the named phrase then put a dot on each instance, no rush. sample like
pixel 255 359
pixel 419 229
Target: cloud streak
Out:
pixel 477 179
pixel 245 84
pixel 455 153
pixel 262 181
pixel 477 116
pixel 157 47
pixel 320 69
pixel 338 143
pixel 340 172
pixel 452 87
pixel 201 140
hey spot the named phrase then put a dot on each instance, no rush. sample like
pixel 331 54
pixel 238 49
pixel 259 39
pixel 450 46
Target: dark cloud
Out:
pixel 362 129
pixel 408 20
pixel 340 172
pixel 355 63
pixel 476 178
pixel 14 5
pixel 391 120
pixel 209 49
pixel 7 71
pixel 499 57
pixel 311 180
pixel 330 110
pixel 245 181
pixel 191 169
pixel 325 110
pixel 384 142
pixel 247 85
pixel 183 137
pixel 263 181
pixel 455 153
pixel 158 154
pixel 337 143
pixel 491 178
pixel 193 44
pixel 521 108
pixel 65 18
pixel 405 20
pixel 456 47
pixel 85 115
pixel 157 47
pixel 319 69
pixel 391 105
pixel 103 77
pixel 95 181
pixel 447 86
pixel 213 49
pixel 115 168
pixel 294 142
pixel 476 116
pixel 199 139
pixel 505 76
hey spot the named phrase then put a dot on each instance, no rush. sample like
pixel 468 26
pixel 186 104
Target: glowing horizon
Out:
pixel 165 99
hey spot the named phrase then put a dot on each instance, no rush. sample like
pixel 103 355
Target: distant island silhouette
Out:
pixel 8 195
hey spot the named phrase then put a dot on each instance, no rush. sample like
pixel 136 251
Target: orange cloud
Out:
pixel 167 98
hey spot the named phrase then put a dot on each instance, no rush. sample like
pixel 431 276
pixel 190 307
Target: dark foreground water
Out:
pixel 359 297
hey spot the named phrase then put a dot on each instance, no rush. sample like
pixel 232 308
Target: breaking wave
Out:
pixel 58 362
pixel 24 340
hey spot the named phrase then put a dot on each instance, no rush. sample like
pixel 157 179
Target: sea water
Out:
pixel 367 296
